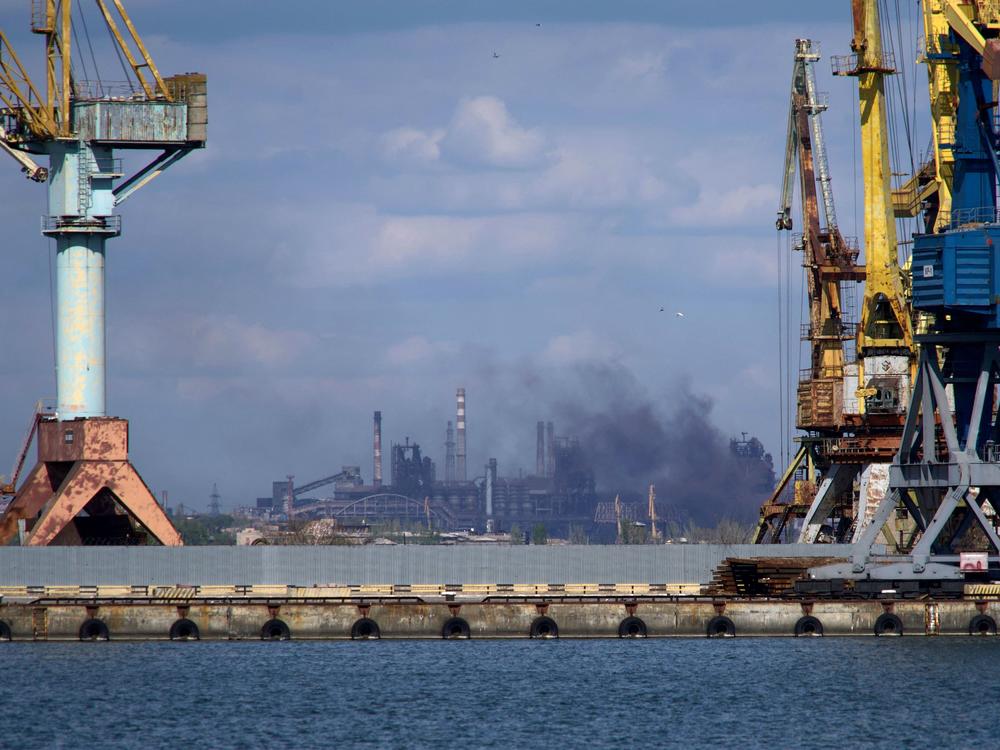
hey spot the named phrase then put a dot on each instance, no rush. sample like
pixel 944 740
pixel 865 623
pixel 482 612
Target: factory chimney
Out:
pixel 449 453
pixel 377 470
pixel 460 434
pixel 540 469
pixel 551 443
pixel 491 480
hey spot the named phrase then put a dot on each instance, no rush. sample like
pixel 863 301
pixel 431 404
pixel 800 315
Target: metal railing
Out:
pixel 41 21
pixel 991 452
pixel 104 224
pixel 826 373
pixel 820 103
pixel 852 65
pixel 845 330
pixel 86 91
pixel 964 217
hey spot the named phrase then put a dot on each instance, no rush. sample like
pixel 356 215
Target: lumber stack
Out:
pixel 762 576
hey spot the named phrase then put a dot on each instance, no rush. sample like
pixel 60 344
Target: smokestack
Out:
pixel 551 458
pixel 540 451
pixel 491 479
pixel 377 471
pixel 460 431
pixel 449 454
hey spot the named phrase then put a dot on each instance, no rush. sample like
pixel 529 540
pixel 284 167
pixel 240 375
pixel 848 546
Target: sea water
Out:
pixel 867 692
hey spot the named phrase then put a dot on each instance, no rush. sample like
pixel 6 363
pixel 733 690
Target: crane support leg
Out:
pixel 838 480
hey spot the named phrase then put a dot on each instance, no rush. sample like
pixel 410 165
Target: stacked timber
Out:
pixel 762 576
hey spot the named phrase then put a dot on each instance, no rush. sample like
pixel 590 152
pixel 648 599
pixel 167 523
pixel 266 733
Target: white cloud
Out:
pixel 727 206
pixel 641 66
pixel 357 245
pixel 206 342
pixel 417 349
pixel 409 146
pixel 482 133
pixel 578 347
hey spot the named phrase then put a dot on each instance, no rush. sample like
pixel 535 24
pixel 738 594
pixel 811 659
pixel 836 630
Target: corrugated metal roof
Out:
pixel 309 566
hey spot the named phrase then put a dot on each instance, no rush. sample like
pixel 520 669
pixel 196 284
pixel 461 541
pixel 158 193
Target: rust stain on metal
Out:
pixel 40 623
pixel 454 609
pixel 543 608
pixel 720 607
pixel 78 462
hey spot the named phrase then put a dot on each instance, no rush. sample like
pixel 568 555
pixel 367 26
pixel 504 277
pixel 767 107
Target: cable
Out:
pixel 781 359
pixel 118 52
pixel 93 57
pixel 791 373
pixel 76 42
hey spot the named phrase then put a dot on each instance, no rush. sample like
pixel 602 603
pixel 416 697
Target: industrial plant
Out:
pixel 562 492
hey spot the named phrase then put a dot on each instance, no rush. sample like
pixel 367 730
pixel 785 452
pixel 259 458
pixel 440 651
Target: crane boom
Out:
pixel 885 319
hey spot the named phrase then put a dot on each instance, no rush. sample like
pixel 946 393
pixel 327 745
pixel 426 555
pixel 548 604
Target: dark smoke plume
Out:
pixel 632 441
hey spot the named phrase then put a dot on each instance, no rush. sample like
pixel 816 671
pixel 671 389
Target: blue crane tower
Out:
pixel 83 488
pixel 946 475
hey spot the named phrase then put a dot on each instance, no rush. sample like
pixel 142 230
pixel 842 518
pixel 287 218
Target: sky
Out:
pixel 400 198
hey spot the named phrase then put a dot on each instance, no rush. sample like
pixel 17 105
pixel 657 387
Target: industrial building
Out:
pixel 561 493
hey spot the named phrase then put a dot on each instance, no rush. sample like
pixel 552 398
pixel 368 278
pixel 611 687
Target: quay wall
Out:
pixel 599 618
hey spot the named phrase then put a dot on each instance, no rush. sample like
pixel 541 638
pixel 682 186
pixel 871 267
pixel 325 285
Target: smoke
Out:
pixel 632 441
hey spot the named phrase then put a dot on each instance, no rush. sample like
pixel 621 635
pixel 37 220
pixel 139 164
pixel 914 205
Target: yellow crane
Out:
pixel 862 432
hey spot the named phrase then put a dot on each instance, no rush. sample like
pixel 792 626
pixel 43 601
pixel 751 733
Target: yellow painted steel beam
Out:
pixel 21 93
pixel 154 89
pixel 884 309
pixel 959 16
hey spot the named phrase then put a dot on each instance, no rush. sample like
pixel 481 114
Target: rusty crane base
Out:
pixel 84 490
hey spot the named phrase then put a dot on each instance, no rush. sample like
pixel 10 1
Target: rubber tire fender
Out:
pixel 275 630
pixel 979 625
pixel 184 630
pixel 94 630
pixel 720 626
pixel 888 624
pixel 808 625
pixel 5 632
pixel 632 627
pixel 455 629
pixel 543 627
pixel 365 629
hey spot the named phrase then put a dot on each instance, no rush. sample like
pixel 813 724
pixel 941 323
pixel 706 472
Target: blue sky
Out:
pixel 386 211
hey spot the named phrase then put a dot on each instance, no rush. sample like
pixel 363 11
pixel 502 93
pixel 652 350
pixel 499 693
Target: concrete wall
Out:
pixel 309 566
pixel 596 619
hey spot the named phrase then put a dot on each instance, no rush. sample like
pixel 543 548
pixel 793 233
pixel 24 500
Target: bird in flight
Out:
pixel 495 55
pixel 679 314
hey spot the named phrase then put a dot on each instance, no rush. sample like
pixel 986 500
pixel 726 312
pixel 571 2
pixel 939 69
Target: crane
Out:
pixel 830 261
pixel 946 474
pixel 79 125
pixel 886 357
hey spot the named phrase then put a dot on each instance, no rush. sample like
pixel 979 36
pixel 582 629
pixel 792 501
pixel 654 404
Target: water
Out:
pixel 743 692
